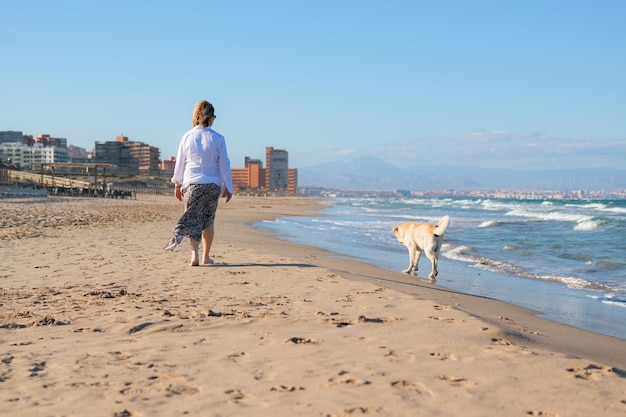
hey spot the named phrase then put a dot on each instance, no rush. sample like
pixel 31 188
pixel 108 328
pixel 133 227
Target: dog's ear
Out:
pixel 394 229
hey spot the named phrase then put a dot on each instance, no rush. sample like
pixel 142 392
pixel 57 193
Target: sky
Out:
pixel 525 85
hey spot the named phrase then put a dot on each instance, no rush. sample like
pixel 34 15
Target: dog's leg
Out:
pixel 418 256
pixel 411 256
pixel 433 255
pixel 434 261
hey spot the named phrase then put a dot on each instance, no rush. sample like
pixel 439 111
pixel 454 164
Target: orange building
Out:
pixel 167 165
pixel 276 177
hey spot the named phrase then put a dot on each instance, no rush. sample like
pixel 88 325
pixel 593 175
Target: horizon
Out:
pixel 482 84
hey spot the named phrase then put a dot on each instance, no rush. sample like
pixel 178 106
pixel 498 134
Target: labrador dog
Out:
pixel 422 237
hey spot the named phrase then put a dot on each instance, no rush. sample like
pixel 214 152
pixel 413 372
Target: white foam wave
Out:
pixel 460 253
pixel 550 216
pixel 615 303
pixel 489 223
pixel 571 282
pixel 590 205
pixel 621 210
pixel 496 205
pixel 588 225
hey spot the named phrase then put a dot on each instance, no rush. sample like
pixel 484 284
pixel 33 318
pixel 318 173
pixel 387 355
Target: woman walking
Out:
pixel 202 173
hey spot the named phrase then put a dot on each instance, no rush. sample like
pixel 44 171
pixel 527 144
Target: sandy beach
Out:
pixel 96 319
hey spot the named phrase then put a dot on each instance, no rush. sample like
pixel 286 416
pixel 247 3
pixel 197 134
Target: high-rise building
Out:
pixel 276 177
pixel 251 177
pixel 277 171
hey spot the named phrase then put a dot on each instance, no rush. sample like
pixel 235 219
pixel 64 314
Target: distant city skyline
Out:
pixel 521 85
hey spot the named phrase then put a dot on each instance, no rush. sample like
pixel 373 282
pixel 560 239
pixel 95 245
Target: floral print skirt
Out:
pixel 200 207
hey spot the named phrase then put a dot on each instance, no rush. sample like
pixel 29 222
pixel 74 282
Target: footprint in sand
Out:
pixel 367 409
pixel 128 340
pixel 414 387
pixel 355 382
pixel 446 319
pixel 302 340
pixel 343 322
pixel 181 389
pixel 457 382
pixel 363 319
pixel 443 356
pixel 236 357
pixel 591 372
pixel 321 313
pixel 503 342
pixel 542 413
pixel 201 342
pixel 236 394
pixel 286 388
pixel 400 357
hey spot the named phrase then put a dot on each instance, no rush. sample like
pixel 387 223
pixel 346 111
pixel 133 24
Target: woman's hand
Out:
pixel 227 194
pixel 178 193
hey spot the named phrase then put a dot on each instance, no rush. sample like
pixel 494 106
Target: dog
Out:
pixel 422 237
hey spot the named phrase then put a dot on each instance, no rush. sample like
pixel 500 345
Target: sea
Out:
pixel 564 259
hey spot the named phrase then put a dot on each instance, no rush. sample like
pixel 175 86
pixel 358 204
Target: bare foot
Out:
pixel 207 261
pixel 194 263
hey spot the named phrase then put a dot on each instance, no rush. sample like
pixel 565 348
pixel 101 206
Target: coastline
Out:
pixel 95 317
pixel 520 323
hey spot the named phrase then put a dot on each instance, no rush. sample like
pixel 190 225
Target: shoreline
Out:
pixel 520 323
pixel 96 318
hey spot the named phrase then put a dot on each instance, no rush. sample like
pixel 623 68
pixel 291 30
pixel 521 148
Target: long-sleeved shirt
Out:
pixel 202 159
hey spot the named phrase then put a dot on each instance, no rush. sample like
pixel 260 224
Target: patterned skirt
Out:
pixel 200 207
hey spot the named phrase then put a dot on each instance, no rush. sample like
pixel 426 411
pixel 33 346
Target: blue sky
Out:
pixel 510 84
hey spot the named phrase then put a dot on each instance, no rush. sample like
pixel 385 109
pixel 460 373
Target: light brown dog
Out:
pixel 422 237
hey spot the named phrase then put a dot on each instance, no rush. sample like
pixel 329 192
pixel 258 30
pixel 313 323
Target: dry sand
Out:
pixel 97 320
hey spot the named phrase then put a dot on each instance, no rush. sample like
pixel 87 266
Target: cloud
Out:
pixel 507 149
pixel 334 150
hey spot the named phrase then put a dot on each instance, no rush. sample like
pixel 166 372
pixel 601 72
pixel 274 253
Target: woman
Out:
pixel 202 170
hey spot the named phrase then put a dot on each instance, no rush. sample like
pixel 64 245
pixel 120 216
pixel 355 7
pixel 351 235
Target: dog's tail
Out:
pixel 444 222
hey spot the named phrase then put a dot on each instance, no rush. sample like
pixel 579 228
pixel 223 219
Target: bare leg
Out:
pixel 207 241
pixel 195 245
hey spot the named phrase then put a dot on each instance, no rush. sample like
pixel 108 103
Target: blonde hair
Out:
pixel 202 113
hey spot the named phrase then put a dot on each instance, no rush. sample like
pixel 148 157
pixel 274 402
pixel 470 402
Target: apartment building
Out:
pixel 11 136
pixel 31 157
pixel 275 177
pixel 128 156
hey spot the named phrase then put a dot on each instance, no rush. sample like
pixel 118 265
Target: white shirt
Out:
pixel 202 159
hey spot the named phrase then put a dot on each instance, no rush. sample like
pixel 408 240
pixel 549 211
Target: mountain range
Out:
pixel 375 174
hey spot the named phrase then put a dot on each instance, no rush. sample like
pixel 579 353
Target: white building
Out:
pixel 31 157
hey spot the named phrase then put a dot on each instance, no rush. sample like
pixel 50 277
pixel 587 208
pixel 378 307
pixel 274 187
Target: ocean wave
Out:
pixel 490 223
pixel 459 253
pixel 574 282
pixel 610 299
pixel 617 299
pixel 587 225
pixel 590 205
pixel 491 205
pixel 621 210
pixel 607 265
pixel 550 216
pixel 613 302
